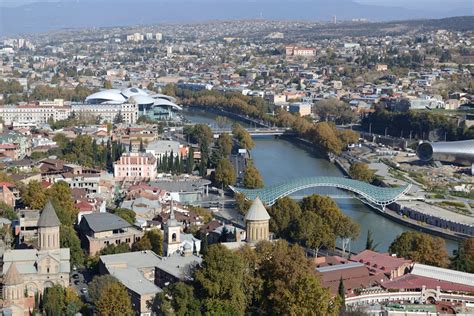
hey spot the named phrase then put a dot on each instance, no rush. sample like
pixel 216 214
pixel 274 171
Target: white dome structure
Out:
pixel 128 92
pixel 141 100
pixel 109 96
pixel 164 96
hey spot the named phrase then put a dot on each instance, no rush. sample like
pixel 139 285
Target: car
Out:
pixel 75 276
pixel 76 282
pixel 84 290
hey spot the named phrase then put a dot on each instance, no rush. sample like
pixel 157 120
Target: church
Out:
pixel 30 271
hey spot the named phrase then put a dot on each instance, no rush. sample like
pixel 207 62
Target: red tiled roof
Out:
pixel 379 261
pixel 410 281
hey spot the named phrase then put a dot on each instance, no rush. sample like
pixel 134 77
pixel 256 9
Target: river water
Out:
pixel 279 160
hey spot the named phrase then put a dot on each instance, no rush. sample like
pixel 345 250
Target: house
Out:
pixel 136 271
pixel 98 230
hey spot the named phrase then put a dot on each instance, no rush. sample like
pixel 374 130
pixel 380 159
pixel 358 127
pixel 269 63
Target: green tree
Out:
pixel 369 243
pixel 360 171
pixel 69 239
pixel 463 259
pixel 114 300
pixel 7 211
pixel 53 300
pixel 284 212
pixel 311 232
pixel 224 145
pixel 190 161
pixel 219 293
pixel 421 248
pixel 252 177
pixel 341 293
pixel 225 173
pixel 125 214
pixel 180 298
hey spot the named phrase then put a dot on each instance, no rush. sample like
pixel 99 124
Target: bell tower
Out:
pixel 172 238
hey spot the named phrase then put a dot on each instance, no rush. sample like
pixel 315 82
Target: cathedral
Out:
pixel 30 271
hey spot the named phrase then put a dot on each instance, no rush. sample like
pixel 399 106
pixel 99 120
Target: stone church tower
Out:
pixel 257 222
pixel 48 229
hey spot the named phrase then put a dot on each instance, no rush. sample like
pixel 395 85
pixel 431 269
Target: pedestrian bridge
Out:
pixel 368 193
pixel 263 131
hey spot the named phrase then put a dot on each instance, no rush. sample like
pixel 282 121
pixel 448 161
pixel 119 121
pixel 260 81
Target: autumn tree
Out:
pixel 7 211
pixel 34 195
pixel 53 300
pixel 98 285
pixel 225 173
pixel 114 300
pixel 151 240
pixel 291 285
pixel 243 137
pixel 324 136
pixel 311 232
pixel 360 171
pixel 421 248
pixel 252 177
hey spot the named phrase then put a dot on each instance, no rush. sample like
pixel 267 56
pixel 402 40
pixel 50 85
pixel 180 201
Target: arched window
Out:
pixel 173 237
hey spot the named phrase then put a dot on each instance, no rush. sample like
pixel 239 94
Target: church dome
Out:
pixel 257 211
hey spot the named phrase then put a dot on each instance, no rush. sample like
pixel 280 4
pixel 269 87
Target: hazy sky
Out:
pixel 416 4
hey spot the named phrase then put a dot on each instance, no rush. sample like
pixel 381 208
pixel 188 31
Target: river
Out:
pixel 279 160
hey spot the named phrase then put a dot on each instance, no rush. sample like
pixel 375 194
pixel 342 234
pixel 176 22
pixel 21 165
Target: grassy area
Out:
pixel 458 207
pixel 418 177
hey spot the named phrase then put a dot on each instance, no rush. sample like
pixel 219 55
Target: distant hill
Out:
pixel 45 16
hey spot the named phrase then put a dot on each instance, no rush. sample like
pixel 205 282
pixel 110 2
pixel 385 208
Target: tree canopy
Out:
pixel 421 248
pixel 360 171
pixel 114 300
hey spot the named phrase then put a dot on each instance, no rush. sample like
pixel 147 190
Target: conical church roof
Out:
pixel 257 211
pixel 12 277
pixel 48 217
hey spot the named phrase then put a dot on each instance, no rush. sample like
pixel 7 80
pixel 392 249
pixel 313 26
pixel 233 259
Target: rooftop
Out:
pixel 99 222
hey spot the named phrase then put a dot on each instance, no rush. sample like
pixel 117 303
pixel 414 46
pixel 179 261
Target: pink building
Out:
pixel 135 166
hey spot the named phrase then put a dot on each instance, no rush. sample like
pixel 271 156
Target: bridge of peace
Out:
pixel 378 197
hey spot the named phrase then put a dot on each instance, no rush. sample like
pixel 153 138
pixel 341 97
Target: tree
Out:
pixel 224 145
pixel 125 214
pixel 98 284
pixel 360 171
pixel 421 248
pixel 369 243
pixel 219 293
pixel 142 244
pixel 142 147
pixel 221 121
pixel 118 119
pixel 112 249
pixel 156 240
pixel 243 137
pixel 291 285
pixel 341 293
pixel 34 195
pixel 252 177
pixel 282 213
pixel 311 232
pixel 323 135
pixel 225 173
pixel 53 300
pixel 463 259
pixel 190 161
pixel 60 195
pixel 179 297
pixel 69 239
pixel 114 300
pixel 107 84
pixel 72 301
pixel 7 211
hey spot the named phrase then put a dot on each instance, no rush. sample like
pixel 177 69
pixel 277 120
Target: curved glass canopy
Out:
pixel 371 193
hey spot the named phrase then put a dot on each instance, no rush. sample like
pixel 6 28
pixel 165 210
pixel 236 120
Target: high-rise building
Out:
pixel 159 37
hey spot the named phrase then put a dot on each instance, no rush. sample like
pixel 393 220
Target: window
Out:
pixel 173 237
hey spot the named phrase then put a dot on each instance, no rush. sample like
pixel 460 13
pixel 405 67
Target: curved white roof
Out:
pixel 142 99
pixel 110 96
pixel 164 102
pixel 257 211
pixel 128 92
pixel 164 96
